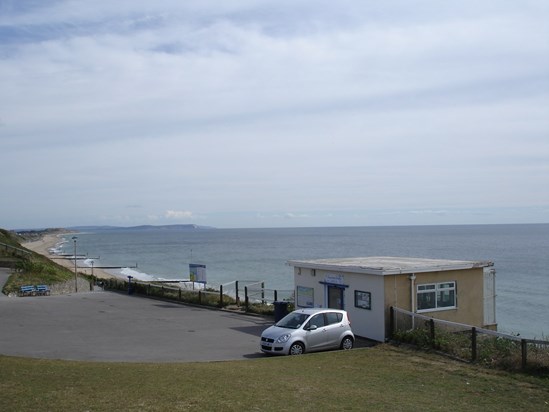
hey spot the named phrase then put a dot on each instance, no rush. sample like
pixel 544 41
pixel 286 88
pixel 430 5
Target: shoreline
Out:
pixel 49 241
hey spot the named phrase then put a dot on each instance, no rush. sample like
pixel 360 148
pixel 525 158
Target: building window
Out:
pixel 436 296
pixel 363 300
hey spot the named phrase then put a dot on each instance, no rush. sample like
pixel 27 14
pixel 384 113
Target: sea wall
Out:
pixel 68 287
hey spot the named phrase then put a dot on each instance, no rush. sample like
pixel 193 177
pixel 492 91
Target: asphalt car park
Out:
pixel 106 326
pixel 109 326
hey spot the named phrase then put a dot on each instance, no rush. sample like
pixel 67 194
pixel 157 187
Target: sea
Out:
pixel 520 253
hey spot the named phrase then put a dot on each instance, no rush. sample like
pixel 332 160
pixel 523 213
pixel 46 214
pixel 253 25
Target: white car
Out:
pixel 308 330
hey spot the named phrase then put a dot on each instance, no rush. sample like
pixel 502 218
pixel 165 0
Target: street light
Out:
pixel 93 279
pixel 75 274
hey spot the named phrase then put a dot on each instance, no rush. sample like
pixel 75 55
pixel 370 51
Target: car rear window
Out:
pixel 333 317
pixel 318 321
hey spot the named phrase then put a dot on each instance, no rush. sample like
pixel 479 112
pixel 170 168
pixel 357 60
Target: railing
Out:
pixel 491 348
pixel 254 291
pixel 14 250
pixel 229 294
pixel 11 256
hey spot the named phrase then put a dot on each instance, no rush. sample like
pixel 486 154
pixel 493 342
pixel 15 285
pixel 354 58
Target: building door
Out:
pixel 335 297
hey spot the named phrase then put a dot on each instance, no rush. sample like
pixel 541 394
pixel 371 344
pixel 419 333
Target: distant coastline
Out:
pixel 142 227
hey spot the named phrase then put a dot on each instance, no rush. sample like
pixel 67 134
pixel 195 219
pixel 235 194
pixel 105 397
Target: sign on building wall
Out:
pixel 334 279
pixel 305 297
pixel 363 300
pixel 197 273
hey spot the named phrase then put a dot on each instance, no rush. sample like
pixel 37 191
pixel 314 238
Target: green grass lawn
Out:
pixel 372 379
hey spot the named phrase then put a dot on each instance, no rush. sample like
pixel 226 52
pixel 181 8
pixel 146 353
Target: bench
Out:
pixel 42 290
pixel 28 290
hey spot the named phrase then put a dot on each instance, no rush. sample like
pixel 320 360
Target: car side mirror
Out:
pixel 312 327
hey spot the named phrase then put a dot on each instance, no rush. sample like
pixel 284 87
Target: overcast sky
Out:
pixel 273 113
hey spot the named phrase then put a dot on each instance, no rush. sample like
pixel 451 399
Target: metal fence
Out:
pixel 488 347
pixel 247 295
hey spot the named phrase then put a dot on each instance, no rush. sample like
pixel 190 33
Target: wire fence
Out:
pixel 488 347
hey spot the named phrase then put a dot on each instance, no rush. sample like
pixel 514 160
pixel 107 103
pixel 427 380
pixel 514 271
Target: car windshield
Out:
pixel 292 321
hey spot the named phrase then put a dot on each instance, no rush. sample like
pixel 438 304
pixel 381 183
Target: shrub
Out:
pixel 492 351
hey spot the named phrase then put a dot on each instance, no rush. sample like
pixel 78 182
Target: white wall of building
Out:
pixel 368 323
pixel 311 289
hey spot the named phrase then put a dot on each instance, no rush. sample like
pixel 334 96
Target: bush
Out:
pixel 499 352
pixel 493 352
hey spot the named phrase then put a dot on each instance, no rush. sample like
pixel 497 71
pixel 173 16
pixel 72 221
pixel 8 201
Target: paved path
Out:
pixel 107 326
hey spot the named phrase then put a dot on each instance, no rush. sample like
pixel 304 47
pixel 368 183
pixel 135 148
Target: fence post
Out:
pixel 237 299
pixel 262 293
pixel 246 301
pixel 221 296
pixel 275 296
pixel 199 297
pixel 473 344
pixel 432 329
pixel 524 350
pixel 180 294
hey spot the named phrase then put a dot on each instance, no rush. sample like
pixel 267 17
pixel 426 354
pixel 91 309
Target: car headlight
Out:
pixel 284 338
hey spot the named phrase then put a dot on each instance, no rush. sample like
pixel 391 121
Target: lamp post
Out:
pixel 93 279
pixel 75 273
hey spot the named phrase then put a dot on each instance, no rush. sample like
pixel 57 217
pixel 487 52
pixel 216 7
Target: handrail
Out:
pixel 15 248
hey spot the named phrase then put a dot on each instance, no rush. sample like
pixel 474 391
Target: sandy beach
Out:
pixel 46 242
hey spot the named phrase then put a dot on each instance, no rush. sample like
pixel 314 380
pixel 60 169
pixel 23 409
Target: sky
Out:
pixel 273 113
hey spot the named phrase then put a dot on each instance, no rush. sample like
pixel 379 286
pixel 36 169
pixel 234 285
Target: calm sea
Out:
pixel 520 254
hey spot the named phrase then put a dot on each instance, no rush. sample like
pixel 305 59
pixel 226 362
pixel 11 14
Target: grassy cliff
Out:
pixel 29 268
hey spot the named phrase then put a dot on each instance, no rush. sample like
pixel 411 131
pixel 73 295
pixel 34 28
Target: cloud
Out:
pixel 178 214
pixel 271 106
pixel 295 216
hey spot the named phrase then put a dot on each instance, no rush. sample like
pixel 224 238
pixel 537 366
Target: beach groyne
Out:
pixel 47 242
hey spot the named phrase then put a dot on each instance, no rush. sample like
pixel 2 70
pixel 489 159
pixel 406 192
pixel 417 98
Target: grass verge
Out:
pixel 380 378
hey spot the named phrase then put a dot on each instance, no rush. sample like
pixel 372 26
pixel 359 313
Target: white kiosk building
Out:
pixel 453 290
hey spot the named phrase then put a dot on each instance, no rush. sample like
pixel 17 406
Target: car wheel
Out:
pixel 347 343
pixel 297 349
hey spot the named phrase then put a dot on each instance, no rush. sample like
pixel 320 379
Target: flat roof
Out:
pixel 388 265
